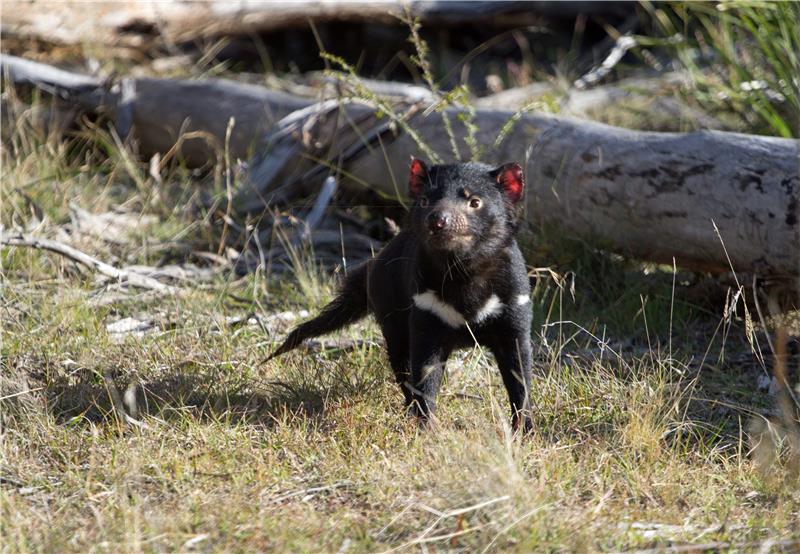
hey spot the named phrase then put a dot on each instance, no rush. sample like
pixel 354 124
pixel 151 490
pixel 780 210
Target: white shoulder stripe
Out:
pixel 523 299
pixel 429 302
pixel 492 307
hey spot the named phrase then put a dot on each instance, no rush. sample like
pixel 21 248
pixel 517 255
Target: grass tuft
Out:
pixel 742 57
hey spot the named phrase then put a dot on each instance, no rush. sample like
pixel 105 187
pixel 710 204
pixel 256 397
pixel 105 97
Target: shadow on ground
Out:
pixel 177 393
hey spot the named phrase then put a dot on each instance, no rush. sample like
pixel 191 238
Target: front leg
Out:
pixel 429 351
pixel 512 350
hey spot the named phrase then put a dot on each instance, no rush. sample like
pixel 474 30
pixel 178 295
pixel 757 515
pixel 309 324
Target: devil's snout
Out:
pixel 438 220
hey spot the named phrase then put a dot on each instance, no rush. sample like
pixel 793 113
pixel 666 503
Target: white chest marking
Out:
pixel 523 299
pixel 492 307
pixel 429 302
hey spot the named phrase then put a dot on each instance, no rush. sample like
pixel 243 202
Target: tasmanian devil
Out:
pixel 452 277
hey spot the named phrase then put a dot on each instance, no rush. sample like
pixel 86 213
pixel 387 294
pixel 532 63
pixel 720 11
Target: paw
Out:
pixel 522 424
pixel 423 416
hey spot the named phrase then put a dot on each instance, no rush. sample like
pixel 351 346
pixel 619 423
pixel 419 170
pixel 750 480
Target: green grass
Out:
pixel 742 57
pixel 635 444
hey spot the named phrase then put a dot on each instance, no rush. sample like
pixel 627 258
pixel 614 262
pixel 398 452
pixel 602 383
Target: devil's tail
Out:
pixel 350 306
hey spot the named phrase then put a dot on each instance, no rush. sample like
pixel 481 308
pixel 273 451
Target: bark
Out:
pixel 161 110
pixel 709 200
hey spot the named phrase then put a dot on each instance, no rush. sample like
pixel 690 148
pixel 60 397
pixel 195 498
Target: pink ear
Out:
pixel 510 180
pixel 417 177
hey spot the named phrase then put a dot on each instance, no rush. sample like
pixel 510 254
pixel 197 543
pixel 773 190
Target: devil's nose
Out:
pixel 438 221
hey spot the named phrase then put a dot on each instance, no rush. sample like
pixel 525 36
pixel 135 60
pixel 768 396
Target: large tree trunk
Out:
pixel 710 200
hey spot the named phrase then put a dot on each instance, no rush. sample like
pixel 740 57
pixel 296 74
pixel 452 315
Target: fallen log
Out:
pixel 158 111
pixel 709 200
pixel 136 24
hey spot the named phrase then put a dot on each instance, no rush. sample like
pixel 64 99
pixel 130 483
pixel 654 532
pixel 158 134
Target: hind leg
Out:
pixel 396 335
pixel 513 355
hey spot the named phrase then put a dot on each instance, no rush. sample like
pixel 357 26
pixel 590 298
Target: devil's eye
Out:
pixel 423 202
pixel 475 202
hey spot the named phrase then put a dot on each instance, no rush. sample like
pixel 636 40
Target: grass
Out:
pixel 312 452
pixel 741 56
pixel 636 445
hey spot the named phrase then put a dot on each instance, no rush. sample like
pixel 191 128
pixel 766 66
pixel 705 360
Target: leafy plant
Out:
pixel 743 57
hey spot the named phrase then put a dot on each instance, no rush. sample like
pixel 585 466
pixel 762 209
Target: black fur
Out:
pixel 458 248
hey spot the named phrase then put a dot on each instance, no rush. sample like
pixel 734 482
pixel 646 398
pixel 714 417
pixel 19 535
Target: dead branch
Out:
pixel 128 277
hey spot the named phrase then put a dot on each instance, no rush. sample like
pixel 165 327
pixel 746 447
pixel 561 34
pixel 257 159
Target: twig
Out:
pixel 474 507
pixel 285 144
pixel 621 47
pixel 340 344
pixel 133 279
pixel 228 190
pixel 424 538
pixel 118 405
pixel 513 524
pixel 311 490
pixel 318 210
pixel 20 393
pixel 280 147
